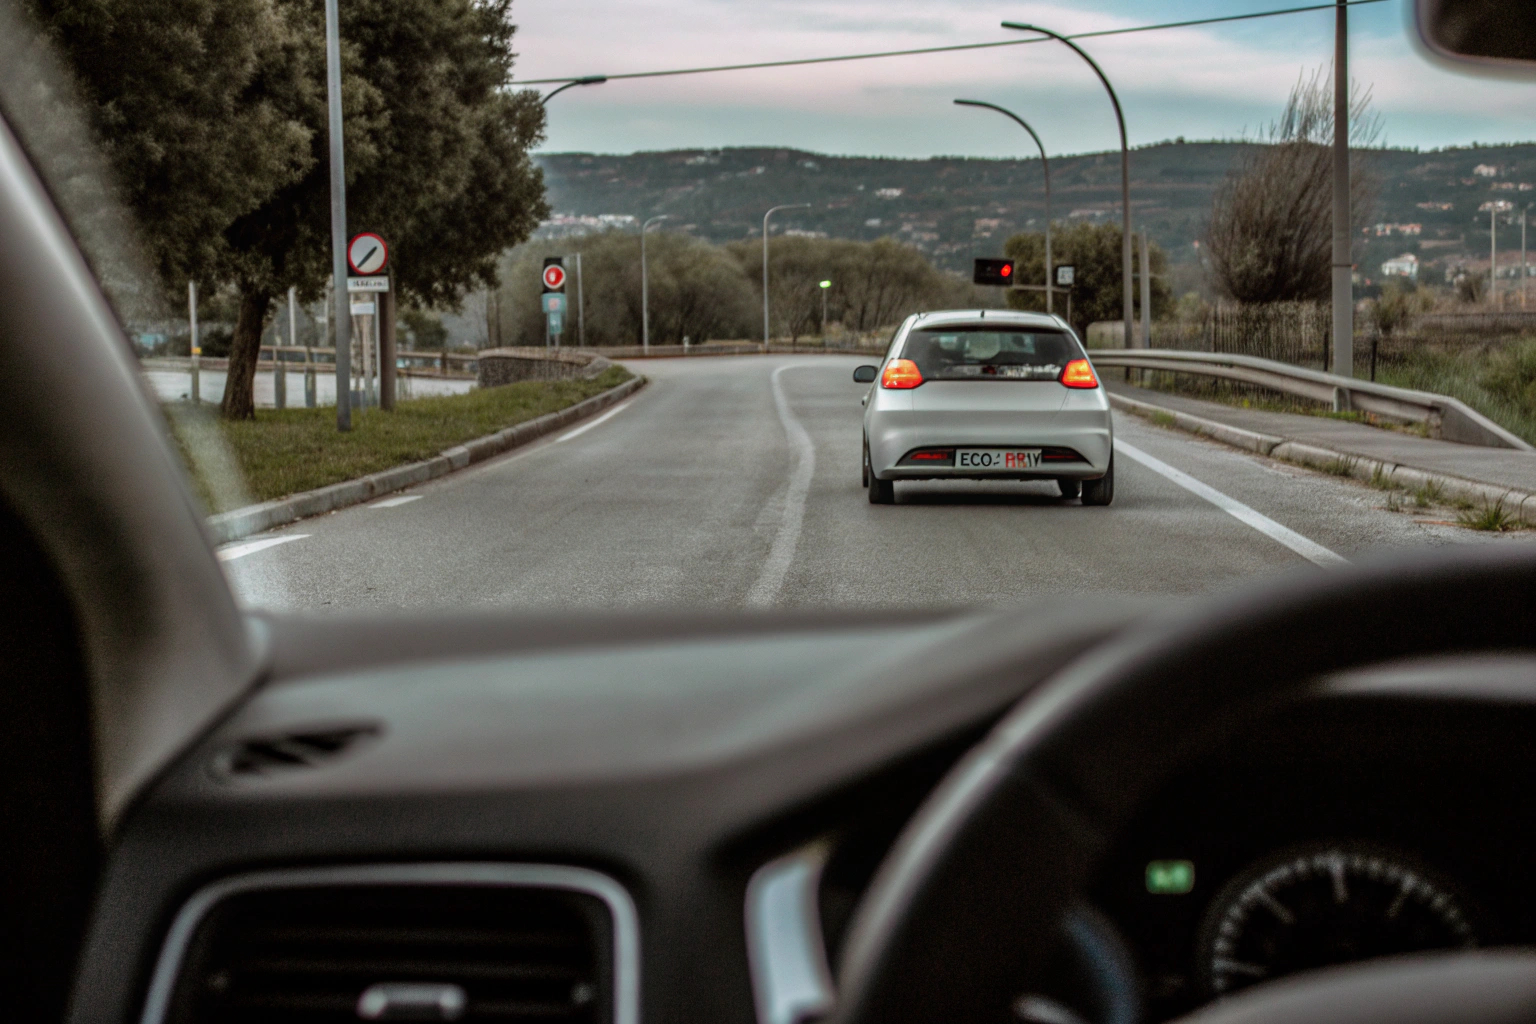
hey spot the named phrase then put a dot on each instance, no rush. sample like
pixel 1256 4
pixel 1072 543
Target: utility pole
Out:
pixel 1146 292
pixel 770 213
pixel 1343 265
pixel 193 350
pixel 645 288
pixel 581 307
pixel 1522 259
pixel 338 216
pixel 1493 254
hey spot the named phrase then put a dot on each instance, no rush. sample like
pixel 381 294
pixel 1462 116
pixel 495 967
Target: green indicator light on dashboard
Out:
pixel 1170 877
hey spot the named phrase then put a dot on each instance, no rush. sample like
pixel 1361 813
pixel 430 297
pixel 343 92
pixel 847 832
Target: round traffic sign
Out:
pixel 554 277
pixel 367 254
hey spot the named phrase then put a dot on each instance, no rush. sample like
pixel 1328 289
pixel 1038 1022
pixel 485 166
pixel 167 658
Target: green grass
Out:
pixel 1500 383
pixel 292 450
pixel 1494 518
pixel 1162 418
pixel 1340 467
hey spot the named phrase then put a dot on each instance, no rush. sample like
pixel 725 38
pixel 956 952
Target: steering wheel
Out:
pixel 967 906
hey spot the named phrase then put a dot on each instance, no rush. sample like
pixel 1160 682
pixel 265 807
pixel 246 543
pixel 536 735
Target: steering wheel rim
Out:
pixel 1074 757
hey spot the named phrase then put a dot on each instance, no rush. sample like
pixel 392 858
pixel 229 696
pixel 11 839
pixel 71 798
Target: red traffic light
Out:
pixel 994 272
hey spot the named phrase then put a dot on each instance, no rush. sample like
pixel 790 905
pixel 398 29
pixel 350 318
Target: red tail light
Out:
pixel 1079 374
pixel 901 374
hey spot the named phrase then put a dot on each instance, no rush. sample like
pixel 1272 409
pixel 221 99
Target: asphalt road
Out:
pixel 734 482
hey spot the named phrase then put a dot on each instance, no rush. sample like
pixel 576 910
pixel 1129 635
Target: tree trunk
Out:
pixel 244 350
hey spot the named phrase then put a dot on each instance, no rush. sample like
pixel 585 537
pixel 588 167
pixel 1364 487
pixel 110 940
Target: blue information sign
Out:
pixel 556 323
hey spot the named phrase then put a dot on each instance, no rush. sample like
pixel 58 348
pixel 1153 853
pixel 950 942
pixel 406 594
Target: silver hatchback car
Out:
pixel 987 394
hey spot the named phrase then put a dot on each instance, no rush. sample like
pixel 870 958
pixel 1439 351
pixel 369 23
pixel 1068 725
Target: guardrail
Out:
pixel 1447 418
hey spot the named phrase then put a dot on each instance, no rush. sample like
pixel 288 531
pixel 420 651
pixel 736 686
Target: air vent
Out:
pixel 327 955
pixel 266 755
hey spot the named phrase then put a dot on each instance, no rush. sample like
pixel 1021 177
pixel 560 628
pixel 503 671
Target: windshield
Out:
pixel 686 334
pixel 980 352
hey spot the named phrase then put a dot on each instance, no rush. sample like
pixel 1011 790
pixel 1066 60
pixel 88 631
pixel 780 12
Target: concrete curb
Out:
pixel 270 515
pixel 1521 504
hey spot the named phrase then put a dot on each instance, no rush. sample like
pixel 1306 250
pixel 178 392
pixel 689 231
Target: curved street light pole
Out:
pixel 770 213
pixel 588 80
pixel 1044 163
pixel 1125 175
pixel 645 287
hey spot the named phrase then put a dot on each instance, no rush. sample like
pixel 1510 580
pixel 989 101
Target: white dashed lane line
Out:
pixel 250 547
pixel 605 417
pixel 1308 549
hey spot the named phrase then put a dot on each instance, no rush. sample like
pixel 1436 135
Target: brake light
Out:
pixel 901 374
pixel 930 456
pixel 1079 374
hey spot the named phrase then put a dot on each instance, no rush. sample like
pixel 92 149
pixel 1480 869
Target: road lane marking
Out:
pixel 234 551
pixel 770 579
pixel 610 414
pixel 404 499
pixel 1310 550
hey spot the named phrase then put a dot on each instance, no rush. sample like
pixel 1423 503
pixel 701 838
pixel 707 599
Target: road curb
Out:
pixel 270 515
pixel 1521 504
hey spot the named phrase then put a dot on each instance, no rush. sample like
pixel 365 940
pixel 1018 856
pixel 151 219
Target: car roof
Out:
pixel 1009 316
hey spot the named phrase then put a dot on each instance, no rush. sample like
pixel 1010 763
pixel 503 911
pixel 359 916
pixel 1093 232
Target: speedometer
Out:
pixel 1323 904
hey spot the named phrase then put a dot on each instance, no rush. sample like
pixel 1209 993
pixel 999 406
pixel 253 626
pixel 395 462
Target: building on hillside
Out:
pixel 1485 171
pixel 1386 230
pixel 1406 265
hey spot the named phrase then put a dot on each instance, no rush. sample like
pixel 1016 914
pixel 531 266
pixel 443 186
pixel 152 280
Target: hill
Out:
pixel 957 208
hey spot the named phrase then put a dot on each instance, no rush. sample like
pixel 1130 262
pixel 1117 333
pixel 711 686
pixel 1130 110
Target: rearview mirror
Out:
pixel 1486 32
pixel 865 374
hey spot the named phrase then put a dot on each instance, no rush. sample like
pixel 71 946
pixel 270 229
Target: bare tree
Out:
pixel 1270 236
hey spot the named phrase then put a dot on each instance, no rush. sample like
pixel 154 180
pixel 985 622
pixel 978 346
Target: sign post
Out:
pixel 368 256
pixel 1066 273
pixel 554 300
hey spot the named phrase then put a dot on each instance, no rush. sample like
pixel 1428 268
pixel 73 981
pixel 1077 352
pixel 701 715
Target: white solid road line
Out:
pixel 1307 549
pixel 610 414
pixel 234 551
pixel 404 499
pixel 771 577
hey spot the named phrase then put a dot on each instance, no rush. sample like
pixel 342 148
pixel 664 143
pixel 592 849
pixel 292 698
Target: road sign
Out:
pixel 554 277
pixel 556 323
pixel 554 302
pixel 380 283
pixel 367 254
pixel 996 272
pixel 362 309
pixel 1064 275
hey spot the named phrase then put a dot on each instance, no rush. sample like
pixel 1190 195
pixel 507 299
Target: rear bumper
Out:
pixel 893 434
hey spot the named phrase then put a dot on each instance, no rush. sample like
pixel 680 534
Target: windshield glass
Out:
pixel 982 352
pixel 526 336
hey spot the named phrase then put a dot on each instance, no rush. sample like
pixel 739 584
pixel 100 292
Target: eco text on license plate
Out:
pixel 997 458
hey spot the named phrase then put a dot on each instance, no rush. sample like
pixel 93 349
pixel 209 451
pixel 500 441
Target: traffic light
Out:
pixel 998 272
pixel 554 274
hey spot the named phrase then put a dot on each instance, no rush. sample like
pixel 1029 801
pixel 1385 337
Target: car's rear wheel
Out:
pixel 881 492
pixel 1102 490
pixel 1069 488
pixel 864 465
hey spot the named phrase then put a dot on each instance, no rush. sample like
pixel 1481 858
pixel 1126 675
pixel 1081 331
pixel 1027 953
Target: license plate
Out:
pixel 997 458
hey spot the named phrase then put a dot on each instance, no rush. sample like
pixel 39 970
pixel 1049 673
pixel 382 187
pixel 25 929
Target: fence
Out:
pixel 1298 333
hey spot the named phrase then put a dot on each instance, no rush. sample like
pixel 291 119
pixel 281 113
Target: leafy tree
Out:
pixel 1271 229
pixel 426 330
pixel 1094 251
pixel 219 108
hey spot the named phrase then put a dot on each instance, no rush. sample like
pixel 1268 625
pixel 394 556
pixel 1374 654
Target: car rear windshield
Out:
pixel 990 352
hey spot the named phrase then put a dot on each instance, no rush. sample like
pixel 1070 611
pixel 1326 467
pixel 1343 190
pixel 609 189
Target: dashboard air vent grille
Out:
pixel 263 755
pixel 479 953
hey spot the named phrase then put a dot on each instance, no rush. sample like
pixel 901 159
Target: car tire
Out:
pixel 881 492
pixel 1069 488
pixel 864 465
pixel 1102 490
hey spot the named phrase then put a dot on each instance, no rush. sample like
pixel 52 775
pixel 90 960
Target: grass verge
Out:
pixel 1492 517
pixel 1499 383
pixel 283 452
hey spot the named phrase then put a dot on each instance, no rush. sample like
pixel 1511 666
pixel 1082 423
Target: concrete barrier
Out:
pixel 498 366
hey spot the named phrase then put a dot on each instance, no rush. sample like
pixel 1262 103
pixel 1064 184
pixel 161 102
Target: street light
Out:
pixel 343 323
pixel 824 286
pixel 1125 174
pixel 1044 163
pixel 588 80
pixel 645 287
pixel 770 213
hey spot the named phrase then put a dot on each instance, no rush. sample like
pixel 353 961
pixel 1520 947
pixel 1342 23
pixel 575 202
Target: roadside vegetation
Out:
pixel 1500 382
pixel 282 452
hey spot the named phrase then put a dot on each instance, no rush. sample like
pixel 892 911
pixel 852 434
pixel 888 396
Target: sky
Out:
pixel 1214 82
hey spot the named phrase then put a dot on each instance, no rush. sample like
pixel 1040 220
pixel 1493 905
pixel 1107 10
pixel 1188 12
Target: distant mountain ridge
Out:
pixel 957 208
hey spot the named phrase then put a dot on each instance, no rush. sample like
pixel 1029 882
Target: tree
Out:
pixel 1271 231
pixel 1094 251
pixel 219 115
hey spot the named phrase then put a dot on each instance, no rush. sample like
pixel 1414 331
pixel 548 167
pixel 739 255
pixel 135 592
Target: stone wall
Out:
pixel 499 366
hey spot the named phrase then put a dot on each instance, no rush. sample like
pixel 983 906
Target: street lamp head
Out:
pixel 826 284
pixel 591 80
